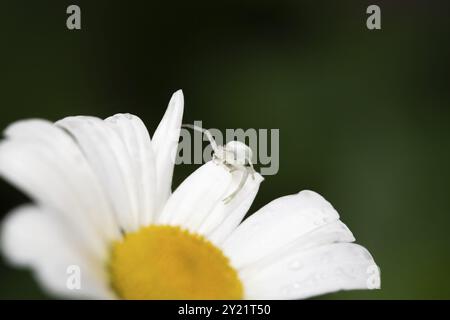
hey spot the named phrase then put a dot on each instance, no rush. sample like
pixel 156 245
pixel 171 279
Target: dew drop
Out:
pixel 296 286
pixel 317 222
pixel 295 265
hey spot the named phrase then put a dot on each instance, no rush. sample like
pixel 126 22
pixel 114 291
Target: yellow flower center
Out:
pixel 165 262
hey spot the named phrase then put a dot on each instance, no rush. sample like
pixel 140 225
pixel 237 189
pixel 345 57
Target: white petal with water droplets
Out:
pixel 278 224
pixel 303 274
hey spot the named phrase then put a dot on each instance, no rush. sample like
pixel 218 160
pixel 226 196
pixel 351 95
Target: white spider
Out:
pixel 235 155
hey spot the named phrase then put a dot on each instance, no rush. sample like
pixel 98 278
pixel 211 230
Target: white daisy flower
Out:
pixel 103 202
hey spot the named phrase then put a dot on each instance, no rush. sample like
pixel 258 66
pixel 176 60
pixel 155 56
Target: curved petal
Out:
pixel 197 204
pixel 196 197
pixel 135 136
pixel 165 143
pixel 32 237
pixel 225 217
pixel 108 156
pixel 303 274
pixel 281 223
pixel 44 161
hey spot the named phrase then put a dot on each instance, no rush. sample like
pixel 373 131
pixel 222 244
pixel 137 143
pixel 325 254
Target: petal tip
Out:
pixel 177 99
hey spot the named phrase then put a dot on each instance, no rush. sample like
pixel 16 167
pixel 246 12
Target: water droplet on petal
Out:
pixel 317 222
pixel 295 265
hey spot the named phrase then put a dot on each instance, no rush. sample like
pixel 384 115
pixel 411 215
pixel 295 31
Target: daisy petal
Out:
pixel 224 218
pixel 320 270
pixel 44 161
pixel 109 157
pixel 27 235
pixel 196 197
pixel 165 143
pixel 135 136
pixel 198 203
pixel 278 224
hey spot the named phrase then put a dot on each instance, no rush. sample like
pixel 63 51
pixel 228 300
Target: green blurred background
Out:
pixel 363 115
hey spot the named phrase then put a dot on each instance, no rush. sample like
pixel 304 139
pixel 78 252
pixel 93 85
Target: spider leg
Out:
pixel 240 186
pixel 230 167
pixel 205 132
pixel 252 170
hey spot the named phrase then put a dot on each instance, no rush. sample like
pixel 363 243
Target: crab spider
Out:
pixel 234 156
